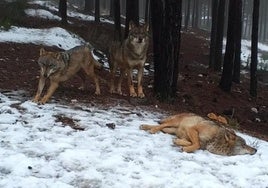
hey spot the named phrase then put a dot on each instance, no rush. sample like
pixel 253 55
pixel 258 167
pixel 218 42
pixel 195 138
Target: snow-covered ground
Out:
pixel 37 151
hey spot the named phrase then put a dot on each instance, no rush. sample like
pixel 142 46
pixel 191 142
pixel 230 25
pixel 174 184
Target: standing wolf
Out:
pixel 194 132
pixel 132 53
pixel 61 66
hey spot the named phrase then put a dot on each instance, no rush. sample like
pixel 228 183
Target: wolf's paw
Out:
pixel 119 92
pixel 42 102
pixel 133 94
pixel 144 127
pixel 153 130
pixel 97 92
pixel 35 100
pixel 141 95
pixel 112 91
pixel 82 88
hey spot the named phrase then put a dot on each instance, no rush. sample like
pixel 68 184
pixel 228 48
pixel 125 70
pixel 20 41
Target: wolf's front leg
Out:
pixel 40 88
pixel 140 75
pixel 132 92
pixel 52 88
pixel 112 73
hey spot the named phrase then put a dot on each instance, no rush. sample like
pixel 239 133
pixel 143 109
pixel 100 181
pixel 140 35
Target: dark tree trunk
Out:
pixel 254 49
pixel 97 11
pixel 194 14
pixel 187 18
pixel 117 20
pixel 132 13
pixel 89 5
pixel 219 36
pixel 147 11
pixel 213 33
pixel 112 13
pixel 63 11
pixel 227 73
pixel 238 35
pixel 166 25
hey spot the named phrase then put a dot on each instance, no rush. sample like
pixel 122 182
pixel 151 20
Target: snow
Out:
pixel 36 150
pixel 55 36
pixel 42 14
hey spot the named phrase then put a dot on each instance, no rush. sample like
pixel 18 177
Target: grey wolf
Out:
pixel 126 56
pixel 61 66
pixel 195 132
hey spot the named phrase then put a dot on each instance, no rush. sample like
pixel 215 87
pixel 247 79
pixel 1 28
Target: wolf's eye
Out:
pixel 52 66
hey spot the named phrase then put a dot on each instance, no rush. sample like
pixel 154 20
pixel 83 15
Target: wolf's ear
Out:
pixel 146 27
pixel 131 25
pixel 229 136
pixel 42 51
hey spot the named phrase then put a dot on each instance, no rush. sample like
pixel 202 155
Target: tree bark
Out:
pixel 254 49
pixel 227 73
pixel 219 36
pixel 187 18
pixel 238 36
pixel 97 11
pixel 213 33
pixel 89 5
pixel 117 20
pixel 63 11
pixel 166 25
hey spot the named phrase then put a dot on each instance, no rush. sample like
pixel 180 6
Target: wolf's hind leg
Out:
pixel 146 127
pixel 194 138
pixel 82 75
pixel 89 69
pixel 181 142
pixel 169 130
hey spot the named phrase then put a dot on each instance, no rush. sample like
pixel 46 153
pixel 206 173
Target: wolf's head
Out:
pixel 138 34
pixel 238 145
pixel 228 143
pixel 49 62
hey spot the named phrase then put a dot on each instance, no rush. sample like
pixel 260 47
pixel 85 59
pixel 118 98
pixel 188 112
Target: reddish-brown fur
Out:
pixel 194 132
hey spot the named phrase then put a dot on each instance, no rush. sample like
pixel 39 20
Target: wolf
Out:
pixel 195 132
pixel 126 56
pixel 61 66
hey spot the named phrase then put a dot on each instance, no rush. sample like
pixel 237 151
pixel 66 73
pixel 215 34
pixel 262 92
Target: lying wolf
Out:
pixel 61 66
pixel 194 132
pixel 129 55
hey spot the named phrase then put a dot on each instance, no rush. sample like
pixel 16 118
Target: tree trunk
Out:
pixel 117 20
pixel 227 73
pixel 238 35
pixel 213 33
pixel 132 14
pixel 89 5
pixel 63 11
pixel 187 18
pixel 112 13
pixel 166 25
pixel 219 36
pixel 97 11
pixel 254 49
pixel 147 11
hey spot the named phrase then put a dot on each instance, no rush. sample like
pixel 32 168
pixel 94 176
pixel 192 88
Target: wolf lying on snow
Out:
pixel 194 132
